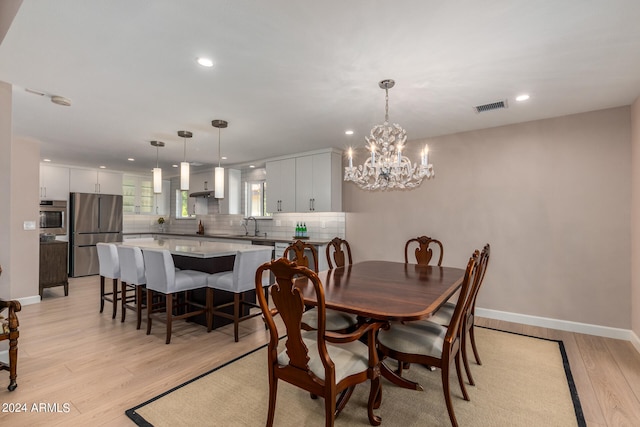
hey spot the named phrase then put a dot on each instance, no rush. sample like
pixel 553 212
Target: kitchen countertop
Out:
pixel 267 239
pixel 195 248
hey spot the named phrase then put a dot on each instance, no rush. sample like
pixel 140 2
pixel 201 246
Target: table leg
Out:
pixel 397 379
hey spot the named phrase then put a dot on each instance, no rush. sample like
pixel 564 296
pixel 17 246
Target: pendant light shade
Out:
pixel 157 172
pixel 218 176
pixel 184 165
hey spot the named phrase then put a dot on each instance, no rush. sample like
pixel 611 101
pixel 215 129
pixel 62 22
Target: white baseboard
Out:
pixel 635 341
pixel 35 299
pixel 563 325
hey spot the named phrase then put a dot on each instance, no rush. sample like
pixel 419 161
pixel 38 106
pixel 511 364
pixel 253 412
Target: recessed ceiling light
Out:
pixel 348 132
pixel 522 97
pixel 252 166
pixel 131 159
pixel 224 157
pixel 103 167
pixel 46 160
pixel 174 166
pixel 205 62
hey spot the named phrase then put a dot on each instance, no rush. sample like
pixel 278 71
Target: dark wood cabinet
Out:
pixel 53 265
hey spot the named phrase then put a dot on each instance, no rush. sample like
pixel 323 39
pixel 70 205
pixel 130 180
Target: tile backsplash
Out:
pixel 320 225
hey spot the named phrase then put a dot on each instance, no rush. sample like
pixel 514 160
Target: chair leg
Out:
pixel 236 315
pixel 101 293
pixel 209 308
pixel 459 372
pixel 343 399
pixel 138 306
pixel 375 397
pixel 13 364
pixel 115 298
pixel 123 300
pixel 273 391
pixel 329 410
pixel 465 359
pixel 149 310
pixel 472 335
pixel 169 305
pixel 447 394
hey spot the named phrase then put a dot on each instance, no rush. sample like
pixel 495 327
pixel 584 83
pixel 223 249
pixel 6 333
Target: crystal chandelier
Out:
pixel 387 167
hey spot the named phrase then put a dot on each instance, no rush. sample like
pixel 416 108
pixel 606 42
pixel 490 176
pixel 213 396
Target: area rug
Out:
pixel 523 381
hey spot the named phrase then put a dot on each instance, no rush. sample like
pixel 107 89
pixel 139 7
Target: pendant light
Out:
pixel 157 172
pixel 184 165
pixel 218 177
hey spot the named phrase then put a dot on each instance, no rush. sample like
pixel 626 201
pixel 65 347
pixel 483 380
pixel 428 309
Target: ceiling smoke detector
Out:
pixel 56 99
pixel 60 100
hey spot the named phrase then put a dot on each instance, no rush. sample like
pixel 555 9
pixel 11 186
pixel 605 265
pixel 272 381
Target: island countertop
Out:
pixel 247 238
pixel 195 248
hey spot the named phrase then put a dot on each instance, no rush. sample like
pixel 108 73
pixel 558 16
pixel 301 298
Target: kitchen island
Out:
pixel 202 255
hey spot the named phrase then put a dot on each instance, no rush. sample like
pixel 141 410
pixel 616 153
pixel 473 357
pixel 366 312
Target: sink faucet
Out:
pixel 255 230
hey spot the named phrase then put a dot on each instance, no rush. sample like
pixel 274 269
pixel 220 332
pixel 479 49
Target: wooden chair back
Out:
pixel 454 330
pixel 483 262
pixel 424 252
pixel 338 246
pixel 296 252
pixel 307 364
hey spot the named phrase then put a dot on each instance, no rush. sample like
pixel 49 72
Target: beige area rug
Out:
pixel 523 381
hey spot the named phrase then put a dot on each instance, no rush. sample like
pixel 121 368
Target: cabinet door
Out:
pixel 84 181
pixel 163 199
pixel 54 182
pixel 281 185
pixel 274 173
pixel 304 183
pixel 109 182
pixel 321 178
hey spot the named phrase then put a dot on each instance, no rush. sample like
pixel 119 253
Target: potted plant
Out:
pixel 161 223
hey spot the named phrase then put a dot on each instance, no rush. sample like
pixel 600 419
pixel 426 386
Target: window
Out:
pixel 182 204
pixel 255 198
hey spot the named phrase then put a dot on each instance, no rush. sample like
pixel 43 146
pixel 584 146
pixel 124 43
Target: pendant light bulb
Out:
pixel 157 172
pixel 218 175
pixel 184 165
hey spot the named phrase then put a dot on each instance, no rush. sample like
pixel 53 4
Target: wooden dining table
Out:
pixel 386 291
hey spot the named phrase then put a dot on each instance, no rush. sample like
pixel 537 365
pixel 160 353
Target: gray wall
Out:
pixel 635 215
pixel 553 197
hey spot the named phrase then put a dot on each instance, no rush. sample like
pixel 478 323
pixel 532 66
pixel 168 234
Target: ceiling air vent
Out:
pixel 491 106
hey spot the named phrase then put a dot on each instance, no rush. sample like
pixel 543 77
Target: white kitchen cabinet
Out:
pixel 95 181
pixel 319 183
pixel 281 185
pixel 54 182
pixel 137 195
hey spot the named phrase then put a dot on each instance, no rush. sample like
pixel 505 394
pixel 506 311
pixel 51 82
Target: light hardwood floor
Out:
pixel 71 355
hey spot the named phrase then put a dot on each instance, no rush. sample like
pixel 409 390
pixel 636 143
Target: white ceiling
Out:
pixel 292 76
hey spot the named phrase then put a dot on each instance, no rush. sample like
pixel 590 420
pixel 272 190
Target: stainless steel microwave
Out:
pixel 53 216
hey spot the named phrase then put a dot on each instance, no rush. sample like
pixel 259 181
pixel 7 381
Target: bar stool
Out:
pixel 109 266
pixel 239 281
pixel 132 276
pixel 162 278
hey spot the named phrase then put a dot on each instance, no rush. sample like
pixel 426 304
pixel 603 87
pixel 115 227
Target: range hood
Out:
pixel 206 193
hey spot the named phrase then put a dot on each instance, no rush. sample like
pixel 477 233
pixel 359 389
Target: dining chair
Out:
pixel 336 320
pixel 132 277
pixel 9 331
pixel 162 278
pixel 239 281
pixel 109 267
pixel 445 313
pixel 338 247
pixel 326 364
pixel 424 252
pixel 431 344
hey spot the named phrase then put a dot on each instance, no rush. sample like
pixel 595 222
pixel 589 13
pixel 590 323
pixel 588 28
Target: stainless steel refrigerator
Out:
pixel 93 218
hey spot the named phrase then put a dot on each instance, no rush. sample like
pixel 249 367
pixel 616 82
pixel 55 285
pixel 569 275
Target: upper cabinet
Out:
pixel 138 196
pixel 281 185
pixel 310 182
pixel 230 204
pixel 95 181
pixel 318 183
pixel 54 182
